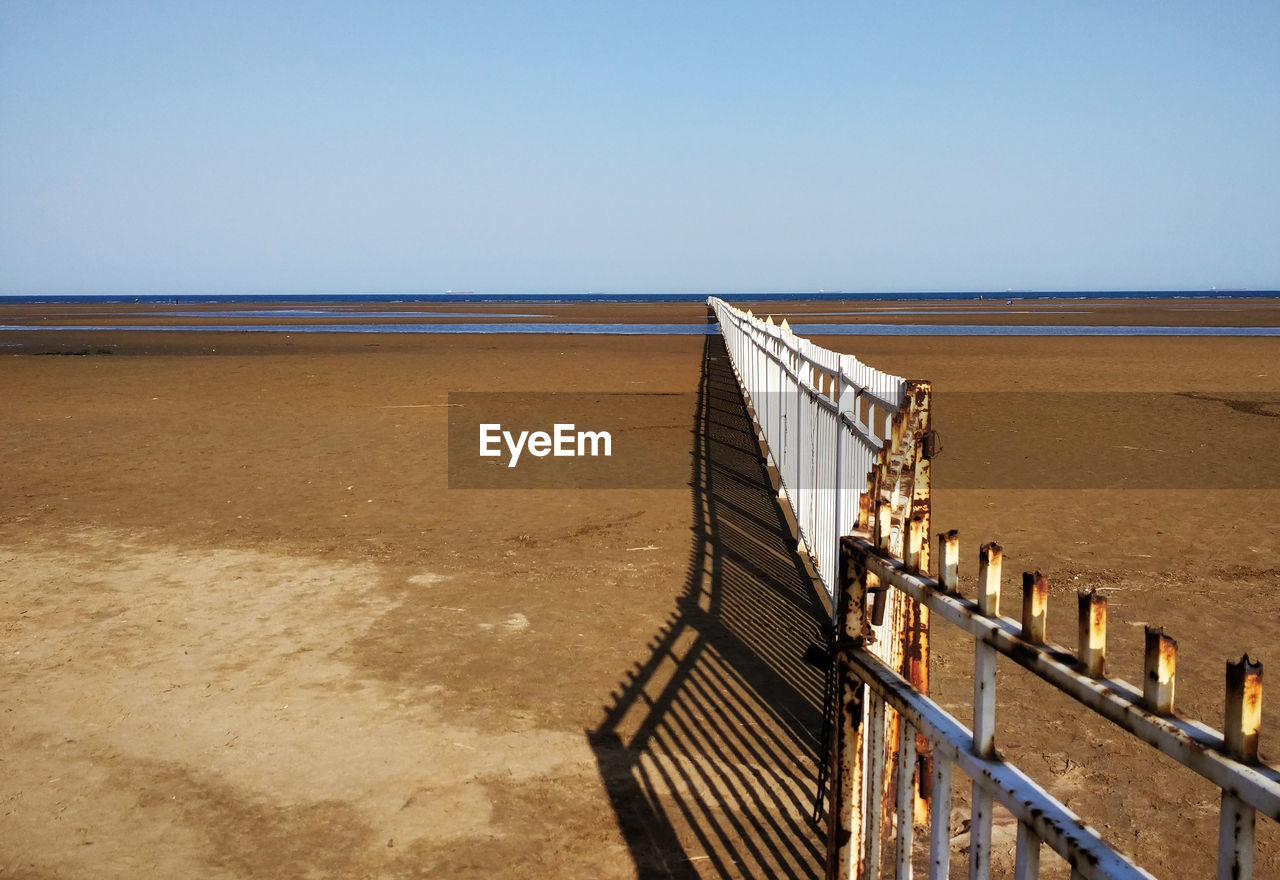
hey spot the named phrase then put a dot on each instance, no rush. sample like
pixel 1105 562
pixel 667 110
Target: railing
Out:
pixel 866 687
pixel 851 446
pixel 859 486
pixel 827 419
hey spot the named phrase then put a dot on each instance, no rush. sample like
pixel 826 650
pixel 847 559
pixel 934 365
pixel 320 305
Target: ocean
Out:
pixel 535 313
pixel 547 298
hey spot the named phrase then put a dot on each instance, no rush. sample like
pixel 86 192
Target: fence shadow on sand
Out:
pixel 708 748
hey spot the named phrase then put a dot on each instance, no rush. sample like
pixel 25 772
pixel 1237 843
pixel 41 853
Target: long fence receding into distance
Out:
pixel 852 449
pixel 828 420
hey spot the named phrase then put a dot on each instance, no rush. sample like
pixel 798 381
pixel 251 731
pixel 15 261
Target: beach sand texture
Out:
pixel 249 631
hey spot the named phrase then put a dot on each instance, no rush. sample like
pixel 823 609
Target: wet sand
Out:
pixel 250 631
pixel 1250 312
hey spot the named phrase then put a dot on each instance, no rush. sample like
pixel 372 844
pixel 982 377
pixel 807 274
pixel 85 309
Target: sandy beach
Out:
pixel 251 631
pixel 1240 312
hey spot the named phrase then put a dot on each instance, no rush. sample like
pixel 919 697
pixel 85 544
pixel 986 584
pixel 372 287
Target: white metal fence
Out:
pixel 851 447
pixel 825 417
pixel 868 689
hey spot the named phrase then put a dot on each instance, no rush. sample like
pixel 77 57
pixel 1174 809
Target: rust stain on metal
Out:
pixel 920 391
pixel 896 512
pixel 884 524
pixel 864 509
pixel 879 600
pixel 1092 642
pixel 990 562
pixel 845 819
pixel 916 652
pixel 1243 709
pixel 915 546
pixel 949 560
pixel 1159 671
pixel 1035 607
pixel 915 655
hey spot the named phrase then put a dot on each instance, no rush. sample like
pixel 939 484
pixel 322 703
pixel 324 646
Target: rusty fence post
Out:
pixel 990 563
pixel 949 561
pixel 1092 633
pixel 906 797
pixel 845 822
pixel 1035 607
pixel 920 516
pixel 1240 732
pixel 875 785
pixel 1026 865
pixel 940 820
pixel 1159 670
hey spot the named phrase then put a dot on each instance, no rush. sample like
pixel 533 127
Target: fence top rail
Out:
pixel 1193 744
pixel 1034 807
pixel 882 388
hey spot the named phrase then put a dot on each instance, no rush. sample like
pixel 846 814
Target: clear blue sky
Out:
pixel 319 147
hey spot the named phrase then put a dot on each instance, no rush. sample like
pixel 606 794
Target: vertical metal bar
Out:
pixel 847 821
pixel 874 786
pixel 1159 671
pixel 984 655
pixel 980 834
pixel 1243 709
pixel 804 437
pixel 800 426
pixel 1240 735
pixel 1235 839
pixel 1026 861
pixel 940 820
pixel 884 523
pixel 921 512
pixel 906 798
pixel 984 716
pixel 949 560
pixel 838 477
pixel 1092 633
pixel 1035 607
pixel 990 563
pixel 990 559
pixel 775 398
pixel 914 545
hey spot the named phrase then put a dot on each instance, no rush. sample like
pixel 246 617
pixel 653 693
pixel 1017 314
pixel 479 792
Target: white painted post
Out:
pixel 1240 733
pixel 990 563
pixel 1159 672
pixel 1035 607
pixel 1092 633
pixel 940 819
pixel 906 797
pixel 874 784
pixel 949 560
pixel 1026 864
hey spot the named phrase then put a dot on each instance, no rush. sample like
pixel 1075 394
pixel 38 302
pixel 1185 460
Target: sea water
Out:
pixel 668 329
